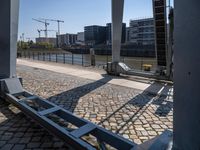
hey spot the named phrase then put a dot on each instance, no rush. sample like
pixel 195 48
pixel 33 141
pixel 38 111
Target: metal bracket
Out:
pixel 11 85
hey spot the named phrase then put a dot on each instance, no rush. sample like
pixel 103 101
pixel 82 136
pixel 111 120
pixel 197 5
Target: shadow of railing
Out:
pixel 154 94
pixel 73 96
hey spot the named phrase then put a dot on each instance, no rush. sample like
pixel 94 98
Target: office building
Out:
pixel 109 33
pixel 141 32
pixel 95 35
pixel 67 39
pixel 80 37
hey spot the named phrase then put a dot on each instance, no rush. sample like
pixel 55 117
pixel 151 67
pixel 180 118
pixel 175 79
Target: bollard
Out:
pixel 43 56
pixel 49 56
pixel 38 56
pixel 82 59
pixel 64 58
pixel 56 57
pixel 72 58
pixel 92 56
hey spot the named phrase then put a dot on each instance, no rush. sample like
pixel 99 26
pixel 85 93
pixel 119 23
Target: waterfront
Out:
pixel 137 63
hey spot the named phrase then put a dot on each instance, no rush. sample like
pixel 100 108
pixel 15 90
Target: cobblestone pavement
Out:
pixel 136 115
pixel 18 132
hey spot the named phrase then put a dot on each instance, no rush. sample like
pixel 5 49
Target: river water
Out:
pixel 85 59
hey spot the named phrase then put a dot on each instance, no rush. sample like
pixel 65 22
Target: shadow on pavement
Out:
pixel 72 96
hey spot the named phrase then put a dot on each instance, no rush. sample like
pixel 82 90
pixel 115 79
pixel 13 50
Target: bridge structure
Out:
pixel 186 80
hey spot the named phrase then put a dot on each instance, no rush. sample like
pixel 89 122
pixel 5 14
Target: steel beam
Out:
pixel 186 75
pixel 117 18
pixel 9 12
pixel 74 137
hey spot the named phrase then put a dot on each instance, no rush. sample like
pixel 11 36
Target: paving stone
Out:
pixel 2 143
pixel 33 145
pixel 18 147
pixel 125 111
pixel 7 147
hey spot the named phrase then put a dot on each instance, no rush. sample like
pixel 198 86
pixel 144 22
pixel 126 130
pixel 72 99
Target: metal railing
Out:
pixel 137 63
pixel 65 58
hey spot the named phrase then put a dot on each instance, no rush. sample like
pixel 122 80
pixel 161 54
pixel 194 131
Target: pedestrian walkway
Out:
pixel 127 110
pixel 151 86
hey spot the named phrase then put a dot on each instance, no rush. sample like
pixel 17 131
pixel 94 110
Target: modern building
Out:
pixel 95 35
pixel 109 33
pixel 80 37
pixel 67 39
pixel 52 41
pixel 141 32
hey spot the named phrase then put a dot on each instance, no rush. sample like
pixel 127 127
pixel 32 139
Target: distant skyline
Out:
pixel 75 13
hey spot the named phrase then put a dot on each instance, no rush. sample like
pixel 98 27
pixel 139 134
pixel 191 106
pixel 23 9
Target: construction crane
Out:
pixel 39 31
pixel 58 21
pixel 45 23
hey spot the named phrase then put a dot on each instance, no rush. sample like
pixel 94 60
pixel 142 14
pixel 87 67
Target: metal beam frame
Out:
pixel 186 75
pixel 117 19
pixel 9 12
pixel 72 137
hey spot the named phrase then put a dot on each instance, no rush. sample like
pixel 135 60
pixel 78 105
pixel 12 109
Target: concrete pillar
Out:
pixel 117 18
pixel 187 75
pixel 9 12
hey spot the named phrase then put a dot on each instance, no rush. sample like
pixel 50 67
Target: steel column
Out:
pixel 117 18
pixel 9 12
pixel 186 75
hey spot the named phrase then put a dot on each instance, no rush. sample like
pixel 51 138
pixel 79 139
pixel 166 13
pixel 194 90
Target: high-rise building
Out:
pixel 109 33
pixel 67 39
pixel 141 31
pixel 95 35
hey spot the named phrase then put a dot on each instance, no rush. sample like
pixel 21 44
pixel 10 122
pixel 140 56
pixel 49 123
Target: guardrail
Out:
pixel 66 58
pixel 138 63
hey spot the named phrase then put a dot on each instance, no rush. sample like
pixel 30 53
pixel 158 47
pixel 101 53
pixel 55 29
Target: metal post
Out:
pixel 9 11
pixel 43 56
pixel 38 56
pixel 82 59
pixel 117 17
pixel 186 75
pixel 72 58
pixel 106 56
pixel 56 57
pixel 64 58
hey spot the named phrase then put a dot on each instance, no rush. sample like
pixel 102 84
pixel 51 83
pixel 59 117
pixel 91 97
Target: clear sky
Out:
pixel 75 13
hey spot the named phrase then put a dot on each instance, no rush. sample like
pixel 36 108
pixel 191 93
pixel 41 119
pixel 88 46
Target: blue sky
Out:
pixel 75 13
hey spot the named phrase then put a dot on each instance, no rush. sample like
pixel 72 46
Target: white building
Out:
pixel 81 37
pixel 141 32
pixel 67 39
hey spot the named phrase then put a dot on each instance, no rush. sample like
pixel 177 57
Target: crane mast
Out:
pixel 46 25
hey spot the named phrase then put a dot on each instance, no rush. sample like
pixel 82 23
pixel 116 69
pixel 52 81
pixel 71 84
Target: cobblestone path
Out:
pixel 136 115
